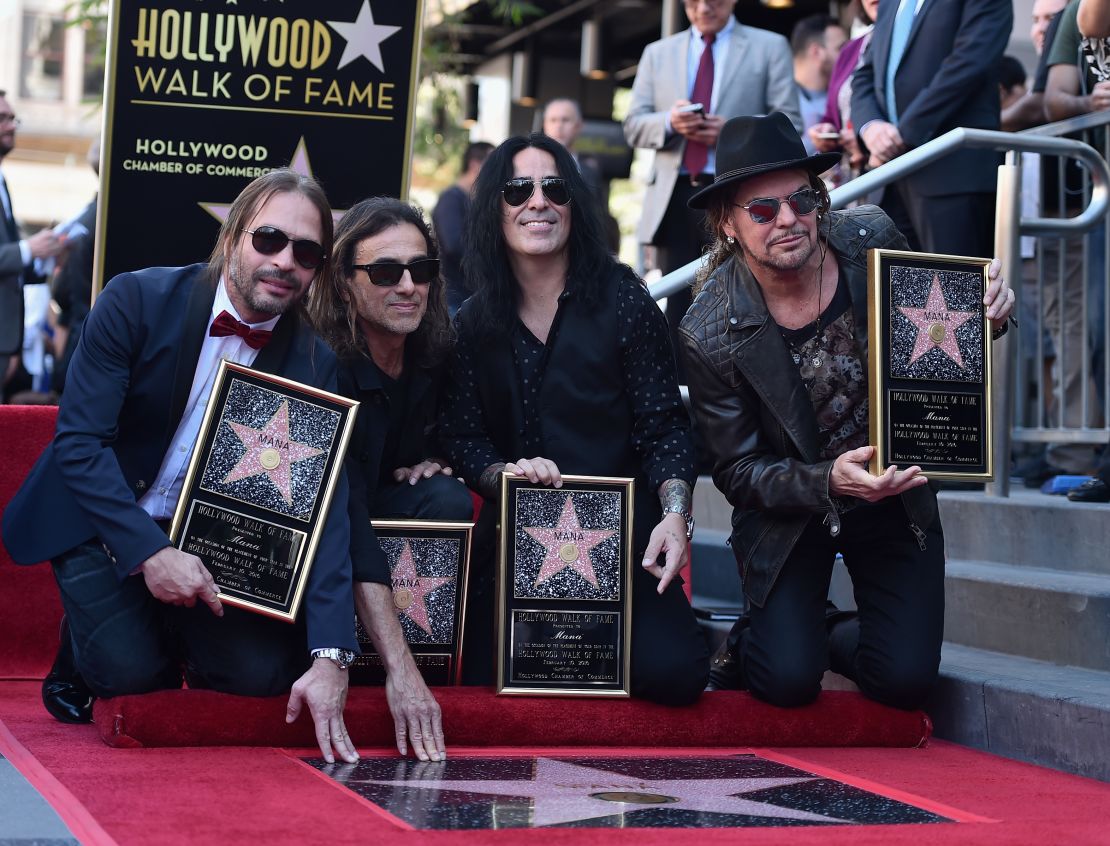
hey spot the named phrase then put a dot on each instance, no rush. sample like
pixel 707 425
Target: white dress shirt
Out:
pixel 161 499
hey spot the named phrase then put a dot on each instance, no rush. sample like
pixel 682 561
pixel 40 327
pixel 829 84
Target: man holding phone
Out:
pixel 686 87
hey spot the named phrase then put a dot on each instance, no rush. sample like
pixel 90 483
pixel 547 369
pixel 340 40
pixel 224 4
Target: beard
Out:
pixel 248 288
pixel 795 259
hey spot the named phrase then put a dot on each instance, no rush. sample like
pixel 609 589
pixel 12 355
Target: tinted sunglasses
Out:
pixel 270 241
pixel 517 192
pixel 765 209
pixel 386 273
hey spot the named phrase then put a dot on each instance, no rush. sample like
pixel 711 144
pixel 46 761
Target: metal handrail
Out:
pixel 957 139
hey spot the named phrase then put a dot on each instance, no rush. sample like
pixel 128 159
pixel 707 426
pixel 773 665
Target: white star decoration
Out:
pixel 560 793
pixel 364 38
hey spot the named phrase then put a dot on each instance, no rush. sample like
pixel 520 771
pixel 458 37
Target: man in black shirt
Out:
pixel 449 219
pixel 563 365
pixel 384 312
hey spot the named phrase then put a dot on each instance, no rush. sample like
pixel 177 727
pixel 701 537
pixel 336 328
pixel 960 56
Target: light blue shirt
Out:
pixel 693 59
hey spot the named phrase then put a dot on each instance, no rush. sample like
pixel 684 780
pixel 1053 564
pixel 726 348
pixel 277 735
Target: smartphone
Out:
pixel 692 109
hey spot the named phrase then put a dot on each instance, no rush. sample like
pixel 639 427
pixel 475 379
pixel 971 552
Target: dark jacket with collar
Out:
pixel 361 379
pixel 126 393
pixel 756 414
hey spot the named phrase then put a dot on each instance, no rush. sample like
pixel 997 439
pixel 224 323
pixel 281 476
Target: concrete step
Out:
pixel 1029 529
pixel 1035 612
pixel 1033 711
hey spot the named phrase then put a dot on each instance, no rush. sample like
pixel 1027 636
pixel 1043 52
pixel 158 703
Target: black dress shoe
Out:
pixel 64 692
pixel 1093 490
pixel 725 670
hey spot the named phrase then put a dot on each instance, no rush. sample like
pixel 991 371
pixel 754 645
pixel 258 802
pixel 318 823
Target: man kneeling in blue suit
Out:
pixel 98 500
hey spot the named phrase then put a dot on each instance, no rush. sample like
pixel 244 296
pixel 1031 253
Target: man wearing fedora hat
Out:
pixel 775 345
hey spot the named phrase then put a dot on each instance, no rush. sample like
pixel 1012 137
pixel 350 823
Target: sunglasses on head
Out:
pixel 387 273
pixel 765 209
pixel 518 191
pixel 269 241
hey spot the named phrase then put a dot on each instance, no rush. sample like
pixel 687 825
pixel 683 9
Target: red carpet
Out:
pixel 30 611
pixel 226 794
pixel 476 717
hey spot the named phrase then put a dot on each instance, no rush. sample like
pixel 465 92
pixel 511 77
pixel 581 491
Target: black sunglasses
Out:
pixel 270 241
pixel 386 273
pixel 518 191
pixel 765 209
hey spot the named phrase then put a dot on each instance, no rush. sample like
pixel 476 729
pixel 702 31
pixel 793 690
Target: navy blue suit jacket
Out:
pixel 947 78
pixel 126 391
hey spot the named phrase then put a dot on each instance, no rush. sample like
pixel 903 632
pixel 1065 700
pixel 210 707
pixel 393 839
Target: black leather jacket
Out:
pixel 756 414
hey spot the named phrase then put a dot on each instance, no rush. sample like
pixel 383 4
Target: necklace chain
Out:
pixel 795 353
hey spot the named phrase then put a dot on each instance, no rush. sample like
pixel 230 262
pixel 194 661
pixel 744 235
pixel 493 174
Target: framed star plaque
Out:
pixel 428 562
pixel 929 364
pixel 259 484
pixel 564 587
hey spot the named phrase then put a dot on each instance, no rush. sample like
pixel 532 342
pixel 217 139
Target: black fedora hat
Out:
pixel 749 146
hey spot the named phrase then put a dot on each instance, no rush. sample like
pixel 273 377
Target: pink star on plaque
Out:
pixel 568 545
pixel 270 452
pixel 936 325
pixel 410 591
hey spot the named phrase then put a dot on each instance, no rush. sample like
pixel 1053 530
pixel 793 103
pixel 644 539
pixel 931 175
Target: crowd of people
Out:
pixel 507 337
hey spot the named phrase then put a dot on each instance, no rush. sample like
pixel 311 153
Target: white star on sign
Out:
pixel 560 793
pixel 364 37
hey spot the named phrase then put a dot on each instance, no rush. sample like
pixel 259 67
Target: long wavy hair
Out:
pixel 255 196
pixel 332 308
pixel 717 213
pixel 485 258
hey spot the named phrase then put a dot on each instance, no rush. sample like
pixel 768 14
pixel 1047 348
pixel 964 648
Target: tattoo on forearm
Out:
pixel 489 483
pixel 675 495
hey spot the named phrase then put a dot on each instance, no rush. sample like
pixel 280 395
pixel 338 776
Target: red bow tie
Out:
pixel 225 325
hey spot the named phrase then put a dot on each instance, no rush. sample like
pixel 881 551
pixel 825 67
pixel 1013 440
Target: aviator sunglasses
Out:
pixel 518 191
pixel 765 209
pixel 387 273
pixel 269 241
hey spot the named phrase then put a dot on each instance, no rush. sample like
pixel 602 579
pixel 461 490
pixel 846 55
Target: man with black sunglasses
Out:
pixel 98 501
pixel 776 347
pixel 563 364
pixel 383 309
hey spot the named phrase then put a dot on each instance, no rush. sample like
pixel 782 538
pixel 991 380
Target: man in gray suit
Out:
pixel 744 71
pixel 16 255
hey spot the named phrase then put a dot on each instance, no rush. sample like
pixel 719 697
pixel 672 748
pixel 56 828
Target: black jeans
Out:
pixel 891 649
pixel 436 498
pixel 125 641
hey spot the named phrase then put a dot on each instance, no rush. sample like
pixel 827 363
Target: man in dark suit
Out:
pixel 931 67
pixel 98 500
pixel 16 254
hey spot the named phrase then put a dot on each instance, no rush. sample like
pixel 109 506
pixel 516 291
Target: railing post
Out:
pixel 1007 247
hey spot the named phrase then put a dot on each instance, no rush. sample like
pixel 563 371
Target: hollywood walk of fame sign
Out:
pixel 929 364
pixel 564 587
pixel 259 485
pixel 608 790
pixel 429 562
pixel 202 97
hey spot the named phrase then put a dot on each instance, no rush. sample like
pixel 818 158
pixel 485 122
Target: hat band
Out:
pixel 761 167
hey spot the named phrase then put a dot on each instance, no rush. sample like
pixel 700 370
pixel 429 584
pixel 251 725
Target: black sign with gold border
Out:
pixel 564 610
pixel 929 364
pixel 429 561
pixel 259 484
pixel 202 97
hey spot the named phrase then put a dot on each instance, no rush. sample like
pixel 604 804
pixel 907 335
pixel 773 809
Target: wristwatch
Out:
pixel 343 658
pixel 687 516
